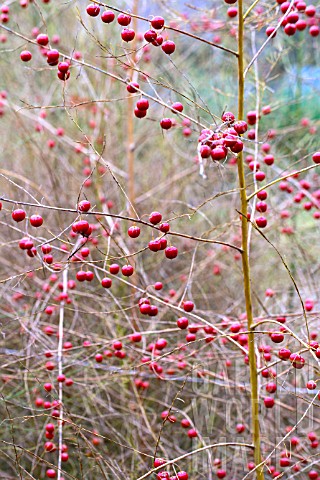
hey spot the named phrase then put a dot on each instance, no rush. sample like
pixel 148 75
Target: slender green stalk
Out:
pixel 245 260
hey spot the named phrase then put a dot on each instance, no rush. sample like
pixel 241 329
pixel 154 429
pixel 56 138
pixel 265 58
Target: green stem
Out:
pixel 245 260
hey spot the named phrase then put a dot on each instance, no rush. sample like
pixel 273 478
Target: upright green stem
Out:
pixel 245 260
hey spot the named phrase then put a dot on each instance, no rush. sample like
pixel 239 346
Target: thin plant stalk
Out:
pixel 255 425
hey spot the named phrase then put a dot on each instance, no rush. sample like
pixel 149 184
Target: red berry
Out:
pixel 310 11
pixel 182 323
pixel 260 176
pixel 166 123
pixel 171 252
pixel 136 337
pixel 140 113
pixel 158 41
pixel 293 17
pixel 49 447
pixel 219 153
pixel 192 433
pixel 269 402
pixel 177 107
pixel 261 222
pixel 221 473
pixel 134 232
pixel 18 215
pixel 132 87
pixel 128 34
pixel 240 428
pixel 235 327
pixel 53 57
pixel 261 207
pixel 301 25
pixel 277 337
pixel 51 473
pixel 107 16
pixel 182 476
pixel 154 245
pixel 50 366
pixel 42 39
pixel 168 47
pixel 25 56
pixel 117 345
pixel 313 475
pixel 89 276
pixel 84 206
pixel 185 423
pixel 290 29
pixel 127 270
pixel 228 116
pixel 145 308
pixel 114 268
pixel 164 227
pixel 269 160
pixel 300 6
pixel 150 36
pixel 311 385
pixel 93 10
pixel 81 276
pixel 98 357
pixel 314 30
pixel 205 151
pixel 161 344
pixel 271 387
pixel 63 67
pixel 64 457
pixel 232 12
pixel 26 243
pixel 188 306
pixel 124 19
pixel 155 217
pixel 82 226
pixel 237 147
pixel 266 110
pixel 297 361
pixel 316 157
pixel 284 353
pixel 271 32
pixel 240 127
pixel 143 104
pixel 163 243
pixel 106 282
pixel 36 220
pixel 157 23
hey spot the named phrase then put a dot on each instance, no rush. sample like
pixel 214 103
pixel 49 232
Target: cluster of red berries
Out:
pixel 26 243
pixel 285 354
pixel 293 22
pixel 52 56
pixel 227 137
pixel 159 243
pixel 142 107
pixel 151 36
pixel 163 475
pixel 49 445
